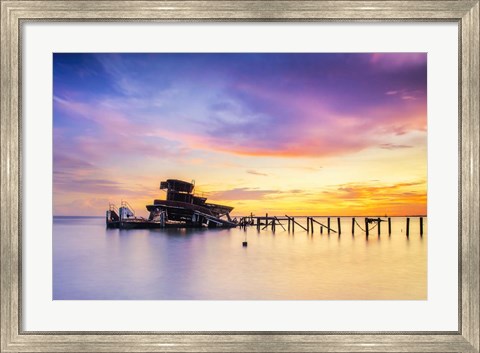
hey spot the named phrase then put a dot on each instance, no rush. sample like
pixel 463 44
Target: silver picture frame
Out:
pixel 15 13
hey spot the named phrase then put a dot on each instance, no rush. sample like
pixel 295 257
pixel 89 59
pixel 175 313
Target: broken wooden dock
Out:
pixel 271 222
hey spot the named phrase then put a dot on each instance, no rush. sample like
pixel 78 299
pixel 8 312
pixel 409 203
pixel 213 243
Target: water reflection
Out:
pixel 91 262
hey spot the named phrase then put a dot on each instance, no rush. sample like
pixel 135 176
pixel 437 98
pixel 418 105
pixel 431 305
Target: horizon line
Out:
pixel 273 215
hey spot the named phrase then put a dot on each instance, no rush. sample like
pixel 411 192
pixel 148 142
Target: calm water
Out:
pixel 91 262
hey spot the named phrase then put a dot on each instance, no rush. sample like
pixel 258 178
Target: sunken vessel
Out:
pixel 180 209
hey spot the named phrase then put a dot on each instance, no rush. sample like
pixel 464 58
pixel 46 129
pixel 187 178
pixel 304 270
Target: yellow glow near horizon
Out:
pixel 373 182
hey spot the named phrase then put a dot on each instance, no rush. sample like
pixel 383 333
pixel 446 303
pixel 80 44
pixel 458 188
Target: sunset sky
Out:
pixel 297 134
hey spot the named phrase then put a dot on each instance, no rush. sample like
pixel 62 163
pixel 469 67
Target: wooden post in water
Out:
pixel 258 223
pixel 311 224
pixel 321 229
pixel 366 226
pixel 353 225
pixel 308 224
pixel 273 225
pixel 328 224
pixel 293 224
pixel 421 226
pixel 289 224
pixel 389 226
pixel 339 226
pixel 408 226
pixel 379 223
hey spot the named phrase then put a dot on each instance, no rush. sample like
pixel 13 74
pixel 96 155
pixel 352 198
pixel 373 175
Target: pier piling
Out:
pixel 339 226
pixel 421 226
pixel 293 223
pixel 328 224
pixel 366 226
pixel 378 225
pixel 389 226
pixel 308 224
pixel 321 226
pixel 353 225
pixel 408 226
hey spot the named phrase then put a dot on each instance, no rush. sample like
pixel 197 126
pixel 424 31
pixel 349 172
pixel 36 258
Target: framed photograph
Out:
pixel 240 176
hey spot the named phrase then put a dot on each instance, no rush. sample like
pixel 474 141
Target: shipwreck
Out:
pixel 180 209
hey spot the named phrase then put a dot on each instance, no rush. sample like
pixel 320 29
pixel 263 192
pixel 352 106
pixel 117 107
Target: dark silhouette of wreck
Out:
pixel 181 209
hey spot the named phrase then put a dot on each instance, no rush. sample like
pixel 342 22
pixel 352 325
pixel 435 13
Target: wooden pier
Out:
pixel 272 222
